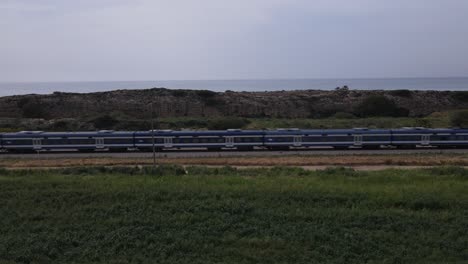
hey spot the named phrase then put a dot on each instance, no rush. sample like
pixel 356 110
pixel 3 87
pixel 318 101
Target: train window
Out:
pixel 376 138
pixel 312 139
pixel 21 142
pixel 244 139
pixel 407 138
pixel 118 141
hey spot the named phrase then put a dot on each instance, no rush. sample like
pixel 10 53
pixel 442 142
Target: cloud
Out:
pixel 206 39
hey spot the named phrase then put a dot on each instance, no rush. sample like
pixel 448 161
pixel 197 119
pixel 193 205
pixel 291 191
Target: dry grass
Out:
pixel 344 160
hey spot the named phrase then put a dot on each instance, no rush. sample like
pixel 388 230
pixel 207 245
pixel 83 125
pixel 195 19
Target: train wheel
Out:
pixel 213 149
pixel 86 150
pixel 340 147
pixel 245 148
pixel 371 147
pixel 279 148
pixel 150 149
pixel 118 149
pixel 406 146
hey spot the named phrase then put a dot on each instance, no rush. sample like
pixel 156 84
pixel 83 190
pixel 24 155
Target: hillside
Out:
pixel 135 104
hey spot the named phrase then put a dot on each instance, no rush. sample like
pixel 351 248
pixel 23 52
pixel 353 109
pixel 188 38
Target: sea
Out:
pixel 441 84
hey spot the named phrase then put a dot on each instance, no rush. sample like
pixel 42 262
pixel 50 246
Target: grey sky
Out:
pixel 93 40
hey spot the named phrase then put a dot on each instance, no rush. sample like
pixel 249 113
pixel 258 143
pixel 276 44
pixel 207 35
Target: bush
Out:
pixel 228 123
pixel 159 170
pixel 205 93
pixel 64 125
pixel 401 93
pixel 459 119
pixel 213 102
pixel 339 171
pixel 31 108
pixel 180 93
pixel 104 122
pixel 448 170
pixel 379 105
pixel 344 115
pixel 460 96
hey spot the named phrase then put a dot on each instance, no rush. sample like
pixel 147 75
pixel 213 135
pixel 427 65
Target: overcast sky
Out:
pixel 101 40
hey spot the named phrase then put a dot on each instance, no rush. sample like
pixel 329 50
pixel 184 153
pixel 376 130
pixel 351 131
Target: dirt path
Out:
pixel 358 161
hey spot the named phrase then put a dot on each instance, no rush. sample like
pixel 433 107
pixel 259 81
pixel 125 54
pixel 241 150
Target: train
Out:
pixel 272 139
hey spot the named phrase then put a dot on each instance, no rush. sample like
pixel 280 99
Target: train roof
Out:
pixel 200 132
pixel 327 131
pixel 105 133
pixel 233 132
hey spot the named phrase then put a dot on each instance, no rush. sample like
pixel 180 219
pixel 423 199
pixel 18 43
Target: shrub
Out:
pixel 460 96
pixel 104 122
pixel 162 170
pixel 228 123
pixel 340 171
pixel 31 108
pixel 448 170
pixel 65 124
pixel 379 105
pixel 205 93
pixel 459 119
pixel 180 93
pixel 213 102
pixel 401 93
pixel 344 115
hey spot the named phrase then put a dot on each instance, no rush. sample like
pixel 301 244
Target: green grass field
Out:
pixel 209 215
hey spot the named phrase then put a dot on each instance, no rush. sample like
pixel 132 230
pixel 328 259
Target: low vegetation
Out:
pixel 198 215
pixel 459 119
pixel 228 123
pixel 461 96
pixel 339 120
pixel 378 106
pixel 401 93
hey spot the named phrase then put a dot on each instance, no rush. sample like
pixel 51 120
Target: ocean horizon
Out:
pixel 441 84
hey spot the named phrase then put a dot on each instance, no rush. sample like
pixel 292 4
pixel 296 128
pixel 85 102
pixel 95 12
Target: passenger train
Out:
pixel 278 139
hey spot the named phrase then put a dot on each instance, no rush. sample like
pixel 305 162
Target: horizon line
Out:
pixel 241 79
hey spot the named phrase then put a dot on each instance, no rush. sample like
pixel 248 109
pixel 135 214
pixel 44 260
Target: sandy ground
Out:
pixel 362 162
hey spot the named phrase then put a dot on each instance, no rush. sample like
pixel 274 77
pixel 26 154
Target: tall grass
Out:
pixel 172 214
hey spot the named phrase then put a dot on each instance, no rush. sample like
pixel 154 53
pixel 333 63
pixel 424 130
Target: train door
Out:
pixel 37 143
pixel 358 140
pixel 229 142
pixel 99 143
pixel 297 141
pixel 425 140
pixel 168 142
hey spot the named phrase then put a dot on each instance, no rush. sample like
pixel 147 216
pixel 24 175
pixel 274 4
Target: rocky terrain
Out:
pixel 135 104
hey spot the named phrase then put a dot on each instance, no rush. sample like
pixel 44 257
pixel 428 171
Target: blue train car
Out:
pixel 85 141
pixel 337 138
pixel 442 137
pixel 27 141
pixel 449 137
pixel 357 137
pixel 232 138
